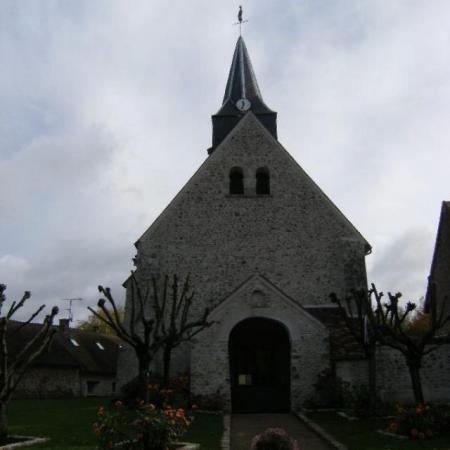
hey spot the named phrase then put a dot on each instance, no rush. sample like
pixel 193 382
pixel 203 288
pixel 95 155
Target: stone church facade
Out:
pixel 264 247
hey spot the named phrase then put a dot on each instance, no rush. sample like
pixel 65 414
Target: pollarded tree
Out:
pixel 14 366
pixel 172 314
pixel 392 330
pixel 155 320
pixel 352 310
pixel 140 333
pixel 389 321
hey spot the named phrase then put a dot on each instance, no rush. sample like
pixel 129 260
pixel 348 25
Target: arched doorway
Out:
pixel 259 351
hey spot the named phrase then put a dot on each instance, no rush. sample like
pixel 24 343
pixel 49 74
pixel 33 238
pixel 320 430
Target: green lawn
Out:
pixel 68 423
pixel 362 435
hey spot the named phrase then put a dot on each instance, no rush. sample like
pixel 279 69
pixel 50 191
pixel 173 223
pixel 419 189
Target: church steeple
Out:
pixel 242 94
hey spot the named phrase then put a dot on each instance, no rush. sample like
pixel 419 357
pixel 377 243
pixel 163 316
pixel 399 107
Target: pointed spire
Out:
pixel 242 83
pixel 242 94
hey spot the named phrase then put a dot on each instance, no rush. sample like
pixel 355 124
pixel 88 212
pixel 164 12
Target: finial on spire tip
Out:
pixel 240 20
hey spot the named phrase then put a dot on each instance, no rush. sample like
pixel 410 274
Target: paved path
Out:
pixel 245 426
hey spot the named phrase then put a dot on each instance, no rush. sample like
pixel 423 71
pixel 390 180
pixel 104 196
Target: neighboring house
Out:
pixel 440 266
pixel 77 364
pixel 264 247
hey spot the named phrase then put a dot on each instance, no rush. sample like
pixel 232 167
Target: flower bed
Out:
pixel 145 426
pixel 142 425
pixel 421 421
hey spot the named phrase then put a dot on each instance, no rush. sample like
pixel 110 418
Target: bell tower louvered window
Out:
pixel 262 181
pixel 236 181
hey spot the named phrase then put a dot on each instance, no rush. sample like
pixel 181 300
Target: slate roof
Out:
pixel 343 345
pixel 242 83
pixel 88 357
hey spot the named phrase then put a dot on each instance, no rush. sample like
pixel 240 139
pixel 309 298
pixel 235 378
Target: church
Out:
pixel 264 247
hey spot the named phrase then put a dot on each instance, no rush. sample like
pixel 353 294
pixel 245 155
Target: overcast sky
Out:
pixel 105 113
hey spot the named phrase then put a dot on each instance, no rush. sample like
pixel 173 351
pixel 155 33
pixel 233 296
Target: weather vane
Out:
pixel 240 21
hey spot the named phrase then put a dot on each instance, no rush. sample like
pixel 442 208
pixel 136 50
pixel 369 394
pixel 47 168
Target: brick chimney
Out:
pixel 64 325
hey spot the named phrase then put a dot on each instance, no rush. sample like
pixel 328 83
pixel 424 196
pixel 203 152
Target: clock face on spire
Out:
pixel 243 104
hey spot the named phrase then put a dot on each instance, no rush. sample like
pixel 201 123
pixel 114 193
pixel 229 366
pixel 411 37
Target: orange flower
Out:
pixel 393 427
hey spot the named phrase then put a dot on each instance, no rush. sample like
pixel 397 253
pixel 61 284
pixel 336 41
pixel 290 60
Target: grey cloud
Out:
pixel 106 108
pixel 403 263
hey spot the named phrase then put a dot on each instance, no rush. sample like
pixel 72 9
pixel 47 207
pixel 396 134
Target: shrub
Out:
pixel 144 427
pixel 135 391
pixel 329 389
pixel 421 421
pixel 273 439
pixel 356 399
pixel 211 402
pixel 179 384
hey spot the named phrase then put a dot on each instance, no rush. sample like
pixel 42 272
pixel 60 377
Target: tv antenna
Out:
pixel 240 21
pixel 71 300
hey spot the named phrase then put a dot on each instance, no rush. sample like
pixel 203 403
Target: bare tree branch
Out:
pixel 14 366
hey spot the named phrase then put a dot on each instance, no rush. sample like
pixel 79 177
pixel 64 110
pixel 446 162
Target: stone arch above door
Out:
pixel 258 297
pixel 309 340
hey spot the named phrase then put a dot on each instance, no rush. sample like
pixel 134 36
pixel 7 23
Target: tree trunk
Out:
pixel 414 372
pixel 144 373
pixel 144 379
pixel 372 383
pixel 3 423
pixel 167 359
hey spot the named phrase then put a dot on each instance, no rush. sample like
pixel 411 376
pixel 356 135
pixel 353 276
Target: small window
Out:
pixel 91 387
pixel 100 346
pixel 74 342
pixel 236 181
pixel 262 181
pixel 244 379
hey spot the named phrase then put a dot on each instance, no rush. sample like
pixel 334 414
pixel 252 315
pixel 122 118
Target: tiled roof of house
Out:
pixel 343 344
pixel 72 348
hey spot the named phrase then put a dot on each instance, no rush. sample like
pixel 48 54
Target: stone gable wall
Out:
pixel 295 236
